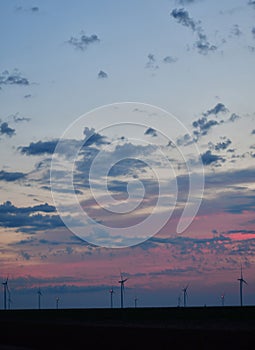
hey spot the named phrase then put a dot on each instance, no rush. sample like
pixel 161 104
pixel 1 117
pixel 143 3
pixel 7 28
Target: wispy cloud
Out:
pixel 170 59
pixel 83 41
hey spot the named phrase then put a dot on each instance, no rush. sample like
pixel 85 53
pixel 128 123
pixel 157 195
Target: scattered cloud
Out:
pixel 19 119
pixel 11 176
pixel 251 2
pixel 202 126
pixel 93 138
pixel 253 132
pixel 186 2
pixel 234 117
pixel 170 59
pixel 83 41
pixel 152 63
pixel 102 75
pixel 202 44
pixel 222 145
pixel 5 129
pixel 182 17
pixel 253 32
pixel 151 132
pixel 236 31
pixel 32 9
pixel 14 78
pixel 208 158
pixel 219 108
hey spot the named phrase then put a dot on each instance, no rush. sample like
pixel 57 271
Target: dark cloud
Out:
pixel 34 9
pixel 202 126
pixel 39 148
pixel 14 78
pixel 151 132
pixel 184 140
pixel 253 132
pixel 6 130
pixel 170 59
pixel 182 17
pixel 29 219
pixel 11 176
pixel 253 32
pixel 251 2
pixel 209 158
pixel 27 96
pixel 219 108
pixel 102 75
pixel 223 145
pixel 82 42
pixel 93 138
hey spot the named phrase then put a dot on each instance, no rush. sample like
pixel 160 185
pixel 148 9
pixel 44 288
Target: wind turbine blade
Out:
pixel 245 282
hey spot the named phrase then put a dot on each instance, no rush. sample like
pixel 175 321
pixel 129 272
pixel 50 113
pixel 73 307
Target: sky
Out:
pixel 127 148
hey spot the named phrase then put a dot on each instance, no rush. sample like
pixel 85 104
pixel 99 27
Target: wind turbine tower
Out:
pixel 135 300
pixel 111 291
pixel 185 295
pixel 57 302
pixel 5 284
pixel 39 298
pixel 122 282
pixel 241 281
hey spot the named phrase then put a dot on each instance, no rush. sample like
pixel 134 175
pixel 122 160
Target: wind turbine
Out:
pixel 185 295
pixel 135 300
pixel 39 298
pixel 9 298
pixel 179 300
pixel 241 281
pixel 5 284
pixel 222 299
pixel 111 291
pixel 57 301
pixel 122 282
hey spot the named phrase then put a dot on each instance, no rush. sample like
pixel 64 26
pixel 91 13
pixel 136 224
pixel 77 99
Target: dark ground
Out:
pixel 141 328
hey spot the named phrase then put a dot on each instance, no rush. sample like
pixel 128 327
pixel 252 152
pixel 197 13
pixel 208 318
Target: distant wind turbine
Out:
pixel 135 300
pixel 111 291
pixel 9 298
pixel 5 284
pixel 179 300
pixel 185 295
pixel 222 299
pixel 57 302
pixel 241 281
pixel 122 282
pixel 39 298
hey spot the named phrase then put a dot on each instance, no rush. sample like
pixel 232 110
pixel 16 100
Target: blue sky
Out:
pixel 190 60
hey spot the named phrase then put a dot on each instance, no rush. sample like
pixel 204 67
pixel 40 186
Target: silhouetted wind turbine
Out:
pixel 122 282
pixel 241 281
pixel 39 298
pixel 185 295
pixel 9 298
pixel 179 300
pixel 5 284
pixel 135 300
pixel 57 301
pixel 111 291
